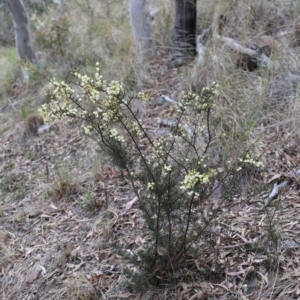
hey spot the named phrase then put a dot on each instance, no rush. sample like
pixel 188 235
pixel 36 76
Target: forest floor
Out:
pixel 61 210
pixel 63 206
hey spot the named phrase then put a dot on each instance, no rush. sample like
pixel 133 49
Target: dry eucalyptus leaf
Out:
pixel 34 273
pixel 129 204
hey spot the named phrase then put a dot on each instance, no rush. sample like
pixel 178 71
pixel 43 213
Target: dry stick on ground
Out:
pixel 168 99
pixel 215 31
pixel 261 58
pixel 278 187
pixel 275 191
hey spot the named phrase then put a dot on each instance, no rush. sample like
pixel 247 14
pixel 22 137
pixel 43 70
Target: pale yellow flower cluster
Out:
pixel 118 137
pixel 167 168
pixel 106 100
pixel 100 83
pixel 90 92
pixel 87 129
pixel 115 90
pixel 249 161
pixel 144 97
pixel 60 106
pixel 113 102
pixel 160 145
pixel 135 127
pixel 194 177
pixel 194 104
pixel 150 185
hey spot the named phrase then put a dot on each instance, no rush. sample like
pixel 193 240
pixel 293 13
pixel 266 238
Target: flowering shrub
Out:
pixel 170 174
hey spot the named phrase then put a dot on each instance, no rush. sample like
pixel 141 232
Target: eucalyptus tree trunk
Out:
pixel 140 20
pixel 22 32
pixel 184 31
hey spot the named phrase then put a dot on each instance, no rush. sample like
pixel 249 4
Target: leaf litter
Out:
pixel 56 248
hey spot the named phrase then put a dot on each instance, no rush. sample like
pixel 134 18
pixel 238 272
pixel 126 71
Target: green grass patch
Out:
pixel 8 66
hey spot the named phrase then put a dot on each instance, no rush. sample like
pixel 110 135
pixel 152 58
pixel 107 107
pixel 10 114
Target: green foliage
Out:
pixel 39 7
pixel 65 186
pixel 26 110
pixel 6 25
pixel 170 174
pixel 12 187
pixel 34 8
pixel 54 37
pixel 8 62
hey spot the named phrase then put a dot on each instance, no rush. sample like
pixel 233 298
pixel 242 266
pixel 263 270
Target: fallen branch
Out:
pixel 163 99
pixel 236 245
pixel 257 56
pixel 261 58
pixel 276 189
pixel 168 99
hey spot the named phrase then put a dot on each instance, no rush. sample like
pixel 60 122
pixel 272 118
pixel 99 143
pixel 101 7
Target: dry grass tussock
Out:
pixel 63 203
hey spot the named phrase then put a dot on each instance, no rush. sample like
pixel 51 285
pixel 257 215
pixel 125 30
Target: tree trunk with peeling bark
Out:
pixel 140 20
pixel 184 31
pixel 22 31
